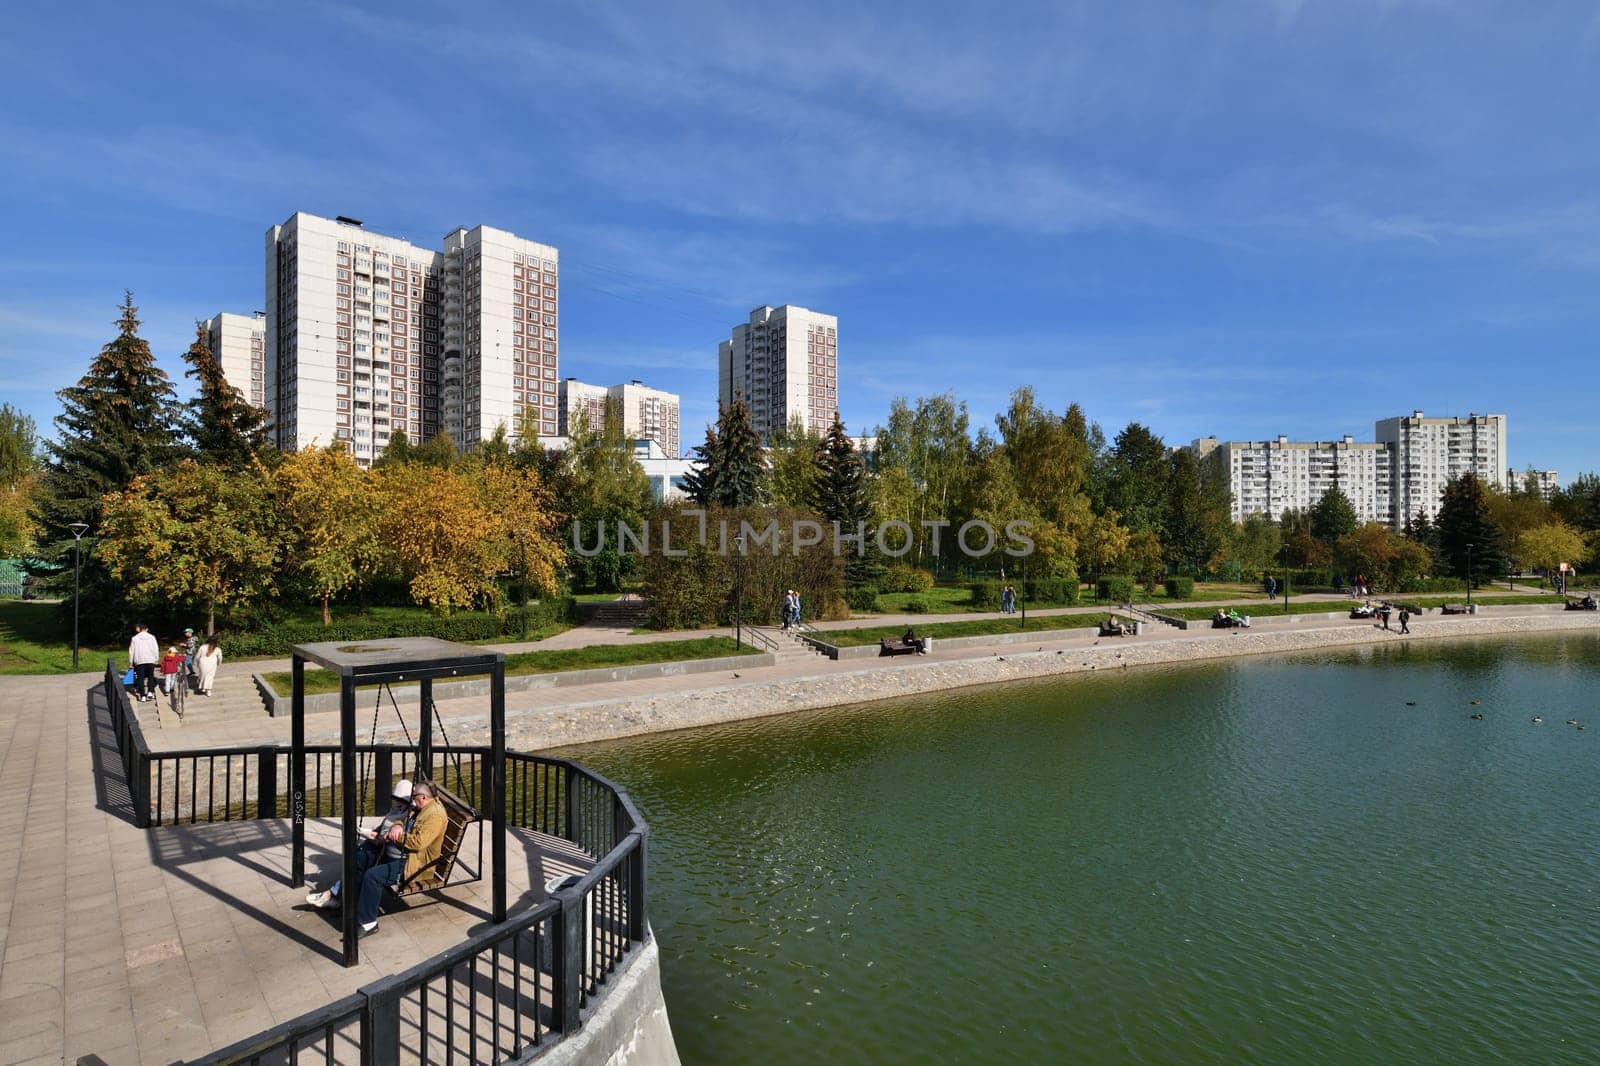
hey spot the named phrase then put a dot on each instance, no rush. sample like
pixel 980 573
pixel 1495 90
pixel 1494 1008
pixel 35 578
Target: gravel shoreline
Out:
pixel 587 722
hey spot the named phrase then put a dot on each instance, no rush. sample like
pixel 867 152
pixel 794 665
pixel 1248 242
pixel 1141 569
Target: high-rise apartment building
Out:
pixel 367 335
pixel 239 343
pixel 1273 476
pixel 1545 482
pixel 1430 451
pixel 647 414
pixel 783 363
pixel 1402 473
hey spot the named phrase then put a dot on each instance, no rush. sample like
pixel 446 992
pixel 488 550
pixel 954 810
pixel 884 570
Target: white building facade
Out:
pixel 239 343
pixel 1391 480
pixel 783 363
pixel 368 335
pixel 1271 477
pixel 647 414
pixel 1430 451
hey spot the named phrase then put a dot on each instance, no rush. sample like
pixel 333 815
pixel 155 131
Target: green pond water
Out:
pixel 1270 860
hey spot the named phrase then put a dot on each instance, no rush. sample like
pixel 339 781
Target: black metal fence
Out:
pixel 503 993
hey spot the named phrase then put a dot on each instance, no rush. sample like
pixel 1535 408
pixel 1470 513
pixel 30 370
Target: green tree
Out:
pixel 1333 517
pixel 931 447
pixel 19 467
pixel 440 452
pixel 1196 519
pixel 398 450
pixel 198 535
pixel 332 511
pixel 1424 533
pixel 1470 543
pixel 224 427
pixel 700 483
pixel 601 483
pixel 793 457
pixel 1136 479
pixel 116 424
pixel 1578 504
pixel 840 495
pixel 1546 547
pixel 1250 549
pixel 741 475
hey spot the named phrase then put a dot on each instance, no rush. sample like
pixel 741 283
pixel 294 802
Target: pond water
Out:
pixel 1311 859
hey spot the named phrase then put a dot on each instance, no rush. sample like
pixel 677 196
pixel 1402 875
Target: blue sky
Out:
pixel 1240 218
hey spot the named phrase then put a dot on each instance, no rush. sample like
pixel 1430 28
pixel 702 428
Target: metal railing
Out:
pixel 506 991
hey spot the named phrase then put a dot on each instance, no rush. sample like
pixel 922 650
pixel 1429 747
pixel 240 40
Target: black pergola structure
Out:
pixel 400 660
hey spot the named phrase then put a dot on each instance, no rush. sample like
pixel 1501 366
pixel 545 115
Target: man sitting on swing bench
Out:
pixel 393 854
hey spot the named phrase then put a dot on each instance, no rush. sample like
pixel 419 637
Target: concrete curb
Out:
pixel 410 694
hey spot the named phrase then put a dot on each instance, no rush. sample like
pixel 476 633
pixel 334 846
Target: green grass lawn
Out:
pixel 978 627
pixel 545 662
pixel 1479 596
pixel 35 638
pixel 1266 610
pixel 941 599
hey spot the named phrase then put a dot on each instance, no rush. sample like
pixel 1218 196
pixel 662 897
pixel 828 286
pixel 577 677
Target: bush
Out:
pixel 1431 584
pixel 985 595
pixel 280 638
pixel 863 598
pixel 1051 592
pixel 1115 588
pixel 917 607
pixel 1179 588
pixel 902 578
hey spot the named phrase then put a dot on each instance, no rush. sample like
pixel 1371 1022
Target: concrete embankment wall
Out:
pixel 629 1025
pixel 453 690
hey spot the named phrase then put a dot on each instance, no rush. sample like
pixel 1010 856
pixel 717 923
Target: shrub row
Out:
pixel 1116 588
pixel 1179 588
pixel 902 578
pixel 863 598
pixel 280 638
pixel 1040 592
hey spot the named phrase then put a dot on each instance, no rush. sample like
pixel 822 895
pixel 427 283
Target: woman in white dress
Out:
pixel 209 658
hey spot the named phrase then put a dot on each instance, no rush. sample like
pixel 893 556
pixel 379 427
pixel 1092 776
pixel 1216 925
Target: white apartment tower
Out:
pixel 1430 451
pixel 1402 473
pixel 783 363
pixel 1273 476
pixel 367 335
pixel 647 414
pixel 239 343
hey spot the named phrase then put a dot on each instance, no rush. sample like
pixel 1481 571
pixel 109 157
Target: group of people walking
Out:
pixel 1008 600
pixel 791 610
pixel 190 663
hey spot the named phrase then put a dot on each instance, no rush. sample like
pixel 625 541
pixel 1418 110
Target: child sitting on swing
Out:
pixel 374 845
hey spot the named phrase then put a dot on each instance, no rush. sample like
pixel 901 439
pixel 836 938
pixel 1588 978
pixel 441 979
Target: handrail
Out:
pixel 581 933
pixel 766 641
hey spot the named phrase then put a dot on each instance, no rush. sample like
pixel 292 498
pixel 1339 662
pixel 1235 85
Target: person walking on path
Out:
pixel 191 644
pixel 788 609
pixel 1405 620
pixel 1272 587
pixel 1383 612
pixel 171 667
pixel 796 596
pixel 143 654
pixel 206 664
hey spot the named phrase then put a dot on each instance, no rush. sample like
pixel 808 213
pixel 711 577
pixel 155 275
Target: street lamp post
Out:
pixel 78 530
pixel 1469 575
pixel 522 569
pixel 738 594
pixel 1286 579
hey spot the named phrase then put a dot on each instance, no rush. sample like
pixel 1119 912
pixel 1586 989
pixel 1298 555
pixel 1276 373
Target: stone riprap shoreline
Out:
pixel 712 704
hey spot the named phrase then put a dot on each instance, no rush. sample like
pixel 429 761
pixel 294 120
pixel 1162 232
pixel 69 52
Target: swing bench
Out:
pixel 459 814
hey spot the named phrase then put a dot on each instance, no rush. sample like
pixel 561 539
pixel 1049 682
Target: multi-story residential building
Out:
pixel 783 363
pixel 647 414
pixel 1390 480
pixel 1546 482
pixel 367 335
pixel 1428 452
pixel 239 342
pixel 1273 476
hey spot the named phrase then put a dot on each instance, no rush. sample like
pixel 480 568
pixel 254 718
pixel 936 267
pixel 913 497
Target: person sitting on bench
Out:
pixel 374 844
pixel 1221 621
pixel 421 839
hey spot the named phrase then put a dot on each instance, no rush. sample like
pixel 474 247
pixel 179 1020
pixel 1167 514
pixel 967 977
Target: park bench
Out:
pixel 1453 608
pixel 899 646
pixel 459 817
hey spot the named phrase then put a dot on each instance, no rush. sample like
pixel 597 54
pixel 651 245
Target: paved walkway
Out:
pixel 146 946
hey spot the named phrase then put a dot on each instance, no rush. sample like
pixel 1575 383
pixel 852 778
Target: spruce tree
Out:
pixel 700 483
pixel 1465 522
pixel 840 495
pixel 118 422
pixel 226 429
pixel 1333 517
pixel 742 470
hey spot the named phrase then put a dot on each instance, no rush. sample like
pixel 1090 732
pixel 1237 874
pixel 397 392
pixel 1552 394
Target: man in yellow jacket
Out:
pixel 420 839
